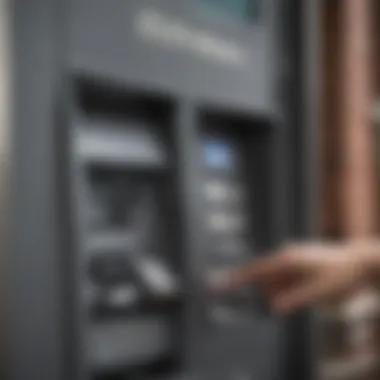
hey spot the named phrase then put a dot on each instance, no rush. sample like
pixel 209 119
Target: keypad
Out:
pixel 226 211
pixel 227 222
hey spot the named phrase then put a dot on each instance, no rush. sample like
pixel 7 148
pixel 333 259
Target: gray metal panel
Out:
pixel 311 54
pixel 34 261
pixel 128 343
pixel 34 257
pixel 190 186
pixel 251 347
pixel 302 119
pixel 170 45
pixel 311 57
pixel 5 166
pixel 209 346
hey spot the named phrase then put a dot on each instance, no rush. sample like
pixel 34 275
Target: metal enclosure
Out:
pixel 153 143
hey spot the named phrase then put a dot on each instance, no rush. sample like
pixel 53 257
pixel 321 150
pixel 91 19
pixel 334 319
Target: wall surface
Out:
pixel 347 168
pixel 5 127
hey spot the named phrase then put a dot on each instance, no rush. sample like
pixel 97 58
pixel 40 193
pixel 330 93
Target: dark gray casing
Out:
pixel 54 42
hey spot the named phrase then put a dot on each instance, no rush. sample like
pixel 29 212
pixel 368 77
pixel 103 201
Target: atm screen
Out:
pixel 218 154
pixel 246 11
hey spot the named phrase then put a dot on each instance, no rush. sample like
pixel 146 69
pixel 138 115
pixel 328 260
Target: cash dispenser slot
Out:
pixel 134 284
pixel 119 127
pixel 122 141
pixel 107 142
pixel 239 216
pixel 132 266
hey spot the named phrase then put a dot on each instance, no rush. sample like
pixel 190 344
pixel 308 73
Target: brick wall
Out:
pixel 349 350
pixel 346 160
pixel 356 92
pixel 330 128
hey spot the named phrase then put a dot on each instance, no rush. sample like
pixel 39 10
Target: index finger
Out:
pixel 255 271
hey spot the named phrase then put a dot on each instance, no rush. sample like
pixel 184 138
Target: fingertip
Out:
pixel 281 306
pixel 253 272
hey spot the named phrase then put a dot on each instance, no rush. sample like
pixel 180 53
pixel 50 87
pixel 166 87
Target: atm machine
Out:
pixel 154 144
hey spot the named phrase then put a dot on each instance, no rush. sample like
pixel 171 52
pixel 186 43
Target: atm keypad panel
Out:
pixel 137 263
pixel 227 220
pixel 225 198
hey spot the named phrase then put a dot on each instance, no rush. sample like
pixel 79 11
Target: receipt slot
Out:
pixel 155 145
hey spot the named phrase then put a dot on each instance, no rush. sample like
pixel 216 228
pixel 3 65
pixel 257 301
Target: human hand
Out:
pixel 303 274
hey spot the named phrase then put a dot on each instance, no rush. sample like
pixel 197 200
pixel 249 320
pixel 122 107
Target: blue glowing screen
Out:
pixel 218 154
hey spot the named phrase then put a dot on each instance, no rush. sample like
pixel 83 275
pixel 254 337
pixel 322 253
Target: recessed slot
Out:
pixel 130 211
pixel 123 141
pixel 122 144
pixel 129 265
pixel 121 200
pixel 128 223
pixel 122 127
pixel 99 98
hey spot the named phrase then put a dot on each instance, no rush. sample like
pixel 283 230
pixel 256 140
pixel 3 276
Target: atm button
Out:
pixel 216 191
pixel 218 222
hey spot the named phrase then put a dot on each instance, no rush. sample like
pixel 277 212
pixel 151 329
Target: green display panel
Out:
pixel 247 11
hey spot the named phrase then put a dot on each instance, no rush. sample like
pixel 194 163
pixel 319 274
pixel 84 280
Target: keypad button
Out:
pixel 216 191
pixel 218 222
pixel 221 222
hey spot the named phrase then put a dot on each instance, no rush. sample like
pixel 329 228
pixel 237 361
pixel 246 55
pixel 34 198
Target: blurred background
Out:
pixel 349 192
pixel 343 61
